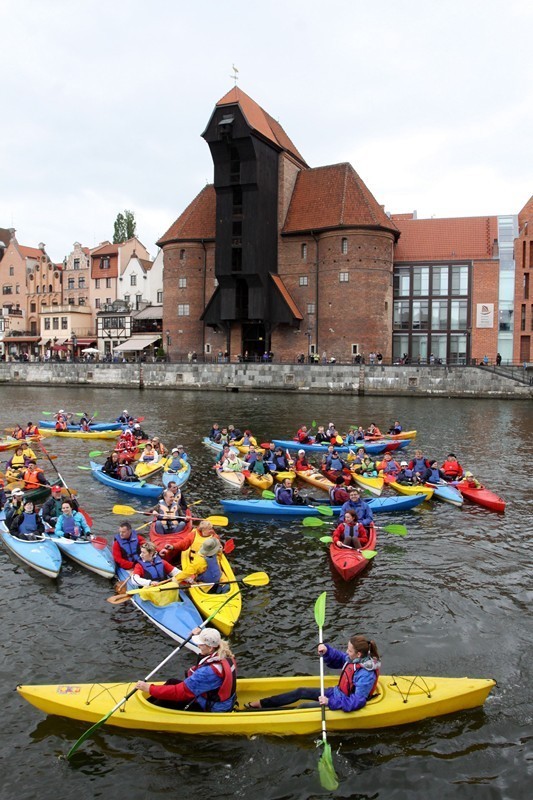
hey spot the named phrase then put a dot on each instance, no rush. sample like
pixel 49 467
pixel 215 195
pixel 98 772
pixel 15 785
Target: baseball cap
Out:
pixel 136 425
pixel 301 452
pixel 403 463
pixel 175 450
pixel 209 637
pixel 57 487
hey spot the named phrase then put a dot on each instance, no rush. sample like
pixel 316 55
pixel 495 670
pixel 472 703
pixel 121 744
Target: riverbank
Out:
pixel 399 380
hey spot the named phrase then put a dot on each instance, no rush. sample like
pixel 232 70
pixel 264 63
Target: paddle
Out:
pixel 100 722
pixel 325 510
pixel 254 579
pixel 368 554
pixel 396 530
pixel 96 453
pixel 326 770
pixel 125 511
pixel 81 414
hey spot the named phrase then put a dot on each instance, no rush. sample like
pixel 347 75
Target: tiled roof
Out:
pixel 333 196
pixel 30 252
pixel 443 239
pixel 198 221
pixel 259 120
pixel 282 289
pixel 106 249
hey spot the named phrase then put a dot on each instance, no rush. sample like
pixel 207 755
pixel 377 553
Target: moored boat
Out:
pixel 399 700
pixel 481 496
pixel 348 561
pixel 42 554
pixel 137 488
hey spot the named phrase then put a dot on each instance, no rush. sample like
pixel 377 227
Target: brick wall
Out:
pixel 485 279
pixel 523 292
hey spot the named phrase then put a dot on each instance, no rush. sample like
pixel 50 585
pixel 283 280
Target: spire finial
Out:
pixel 235 75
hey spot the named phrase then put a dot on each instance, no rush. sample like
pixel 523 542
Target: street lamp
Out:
pixel 308 334
pixel 74 340
pixel 168 344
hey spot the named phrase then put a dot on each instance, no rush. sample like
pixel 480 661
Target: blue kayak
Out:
pixel 447 493
pixel 372 448
pixel 42 554
pixel 95 426
pixel 87 554
pixel 181 476
pixel 272 509
pixel 177 619
pixel 138 488
pixel 217 448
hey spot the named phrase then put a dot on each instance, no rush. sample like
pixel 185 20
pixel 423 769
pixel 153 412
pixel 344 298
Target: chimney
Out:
pixel 41 246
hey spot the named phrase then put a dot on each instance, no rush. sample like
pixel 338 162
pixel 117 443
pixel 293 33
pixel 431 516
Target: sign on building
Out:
pixel 485 315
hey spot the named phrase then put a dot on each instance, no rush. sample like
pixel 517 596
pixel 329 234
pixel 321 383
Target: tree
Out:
pixel 125 226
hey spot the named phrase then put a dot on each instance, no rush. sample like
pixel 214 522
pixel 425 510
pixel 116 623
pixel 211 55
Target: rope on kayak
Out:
pixel 105 690
pixel 412 684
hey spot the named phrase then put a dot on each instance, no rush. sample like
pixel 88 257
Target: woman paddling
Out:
pixel 360 667
pixel 28 524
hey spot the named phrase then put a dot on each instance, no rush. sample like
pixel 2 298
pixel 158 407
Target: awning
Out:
pixel 59 348
pixel 21 339
pixel 137 343
pixel 83 341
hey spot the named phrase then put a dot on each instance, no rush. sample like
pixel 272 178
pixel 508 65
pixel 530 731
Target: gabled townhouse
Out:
pixel 141 282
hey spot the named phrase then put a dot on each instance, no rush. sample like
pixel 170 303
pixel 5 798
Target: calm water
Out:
pixel 453 598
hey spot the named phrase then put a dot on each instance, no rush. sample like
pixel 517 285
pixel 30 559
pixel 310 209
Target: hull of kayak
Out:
pixel 9 444
pixel 261 482
pixel 173 543
pixel 145 470
pixel 372 485
pixel 333 474
pixel 180 477
pixel 42 555
pixel 393 436
pixel 95 426
pixel 208 604
pixel 87 554
pixel 349 563
pixel 272 509
pixel 407 489
pixel 282 476
pixel 482 497
pixel 446 493
pixel 136 488
pixel 316 479
pixel 373 448
pixel 216 448
pixel 230 478
pixel 82 434
pixel 176 617
pixel 399 700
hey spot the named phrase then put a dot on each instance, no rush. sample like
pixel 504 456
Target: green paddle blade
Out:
pixel 80 467
pixel 320 609
pixel 397 530
pixel 95 453
pixel 326 539
pixel 325 510
pixel 326 770
pixel 313 522
pixel 267 495
pixel 368 554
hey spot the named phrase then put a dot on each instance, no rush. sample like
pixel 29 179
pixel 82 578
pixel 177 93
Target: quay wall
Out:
pixel 421 381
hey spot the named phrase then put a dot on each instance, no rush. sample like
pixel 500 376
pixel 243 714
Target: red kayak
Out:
pixel 481 496
pixel 333 474
pixel 349 562
pixel 173 543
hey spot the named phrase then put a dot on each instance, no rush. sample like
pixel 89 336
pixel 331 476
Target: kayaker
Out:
pixel 214 433
pixel 18 432
pixel 279 461
pixel 250 456
pixel 339 494
pixel 149 456
pixel 138 433
pixel 357 458
pixel 234 433
pixel 177 462
pixel 451 468
pixel 232 463
pixel 127 546
pixel 34 477
pixel 471 481
pixel 334 462
pixel 359 506
pixel 360 666
pixel 432 474
pixel 27 452
pixel 330 430
pixel 350 439
pixel 360 434
pixel 419 464
pixel 246 440
pixel 320 436
pixel 206 568
pixel 259 466
pixel 166 515
pixel 17 462
pixel 125 418
pixel 159 447
pixel 112 465
pixel 51 510
pixel 3 496
pixel 61 420
pixel 391 466
pixel 302 464
pixel 303 436
pixel 368 467
pixel 28 524
pixel 395 429
pixel 178 495
pixel 85 420
pixel 201 533
pixel 150 569
pixel 71 524
pixel 373 430
pixel 405 475
pixel 31 430
pixel 287 495
pixel 126 447
pixel 350 532
pixel 209 686
pixel 221 457
pixel 14 505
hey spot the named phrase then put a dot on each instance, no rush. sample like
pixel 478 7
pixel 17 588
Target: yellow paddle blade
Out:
pixel 220 521
pixel 256 579
pixel 157 597
pixel 125 510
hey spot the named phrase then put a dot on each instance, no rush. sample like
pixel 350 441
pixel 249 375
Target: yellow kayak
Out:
pixel 245 448
pixel 405 488
pixel 81 434
pixel 206 603
pixel 399 701
pixel 259 481
pixel 281 476
pixel 316 479
pixel 144 470
pixel 372 485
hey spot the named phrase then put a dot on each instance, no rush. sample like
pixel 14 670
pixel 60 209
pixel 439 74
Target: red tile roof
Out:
pixel 259 120
pixel 333 196
pixel 30 252
pixel 286 296
pixel 105 249
pixel 198 221
pixel 446 239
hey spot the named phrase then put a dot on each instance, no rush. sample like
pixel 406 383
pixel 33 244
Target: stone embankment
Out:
pixel 420 381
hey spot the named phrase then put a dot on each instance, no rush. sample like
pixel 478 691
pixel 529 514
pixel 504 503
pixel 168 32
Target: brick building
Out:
pixel 523 292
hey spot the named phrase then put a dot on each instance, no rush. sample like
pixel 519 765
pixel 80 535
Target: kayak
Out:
pixel 180 477
pixel 95 426
pixel 42 554
pixel 207 603
pixel 217 448
pixel 146 469
pixel 9 443
pixel 83 434
pixel 393 436
pixel 372 485
pixel 481 496
pixel 399 700
pixel 273 509
pixel 283 476
pixel 231 478
pixel 174 543
pixel 259 481
pixel 316 479
pixel 87 554
pixel 446 493
pixel 173 612
pixel 244 449
pixel 333 474
pixel 349 562
pixel 373 448
pixel 137 488
pixel 409 489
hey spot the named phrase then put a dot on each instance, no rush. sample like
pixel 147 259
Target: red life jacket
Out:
pixel 225 668
pixel 451 468
pixel 346 680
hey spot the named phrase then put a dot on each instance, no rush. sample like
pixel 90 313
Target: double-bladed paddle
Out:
pixel 125 511
pixel 315 522
pixel 325 510
pixel 326 770
pixel 254 579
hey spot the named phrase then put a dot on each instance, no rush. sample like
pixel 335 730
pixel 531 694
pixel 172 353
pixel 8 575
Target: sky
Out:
pixel 102 106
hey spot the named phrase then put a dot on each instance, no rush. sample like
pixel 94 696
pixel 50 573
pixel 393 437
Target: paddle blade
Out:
pixel 268 495
pixel 118 599
pixel 229 546
pixel 87 468
pixel 320 609
pixel 99 542
pixel 326 770
pixel 326 539
pixel 368 554
pixel 313 522
pixel 325 510
pixel 123 510
pixel 95 453
pixel 220 521
pixel 397 530
pixel 256 579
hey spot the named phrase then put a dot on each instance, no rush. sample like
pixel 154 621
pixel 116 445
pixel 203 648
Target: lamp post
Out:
pixel 308 334
pixel 74 340
pixel 167 333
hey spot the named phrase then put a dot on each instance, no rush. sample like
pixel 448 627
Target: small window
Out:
pixel 17 289
pixel 104 262
pixel 70 283
pixel 47 323
pixel 127 299
pixel 108 283
pixel 159 297
pixel 12 271
pixel 33 308
pixel 182 283
pixel 55 323
pixel 310 308
pixel 343 277
pixel 81 283
pixel 96 283
pixel 355 349
pixel 208 348
pixel 304 280
pixel 81 301
pixel 183 310
pixel 133 280
pixel 304 252
pixel 97 302
pixel 64 323
pixel 182 255
pixel 71 301
pixel 344 245
pixel 76 264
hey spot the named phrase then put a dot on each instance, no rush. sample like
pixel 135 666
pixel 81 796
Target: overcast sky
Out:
pixel 102 105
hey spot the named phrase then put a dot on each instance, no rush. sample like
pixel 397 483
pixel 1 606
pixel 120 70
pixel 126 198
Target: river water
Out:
pixel 452 598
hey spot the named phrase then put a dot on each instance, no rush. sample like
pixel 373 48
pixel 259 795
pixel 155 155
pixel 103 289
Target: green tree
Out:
pixel 125 227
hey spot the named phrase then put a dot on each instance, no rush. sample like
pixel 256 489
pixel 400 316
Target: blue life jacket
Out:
pixel 68 524
pixel 283 495
pixel 212 573
pixel 129 548
pixel 349 530
pixel 154 570
pixel 334 463
pixel 434 476
pixel 29 523
pixel 419 464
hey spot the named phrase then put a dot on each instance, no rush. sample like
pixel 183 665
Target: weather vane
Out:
pixel 235 75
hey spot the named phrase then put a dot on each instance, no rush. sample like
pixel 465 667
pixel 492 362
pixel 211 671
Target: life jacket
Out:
pixel 302 465
pixel 349 530
pixel 284 496
pixel 407 474
pixel 392 466
pixel 173 510
pixel 154 570
pixel 335 464
pixel 124 471
pixel 146 458
pixel 280 463
pixel 419 464
pixel 346 680
pixel 434 476
pixel 338 495
pixel 68 524
pixel 451 468
pixel 303 436
pixel 30 479
pixel 212 573
pixel 28 523
pixel 129 548
pixel 258 467
pixel 84 425
pixel 225 668
pixel 18 434
pixel 33 430
pixel 61 425
pixel 18 461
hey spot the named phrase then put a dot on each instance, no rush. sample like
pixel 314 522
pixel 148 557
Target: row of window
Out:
pixel 437 315
pixel 423 347
pixel 344 277
pixel 344 248
pixel 52 323
pixel 435 281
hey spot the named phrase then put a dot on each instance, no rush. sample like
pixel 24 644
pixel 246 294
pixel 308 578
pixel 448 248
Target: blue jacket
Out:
pixel 361 508
pixel 204 679
pixel 364 680
pixel 79 520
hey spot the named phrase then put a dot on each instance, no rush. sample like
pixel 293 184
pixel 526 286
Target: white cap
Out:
pixel 301 452
pixel 403 463
pixel 209 636
pixel 175 450
pixel 125 411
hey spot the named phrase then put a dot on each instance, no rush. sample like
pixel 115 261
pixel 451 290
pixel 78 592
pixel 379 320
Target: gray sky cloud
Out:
pixel 103 105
